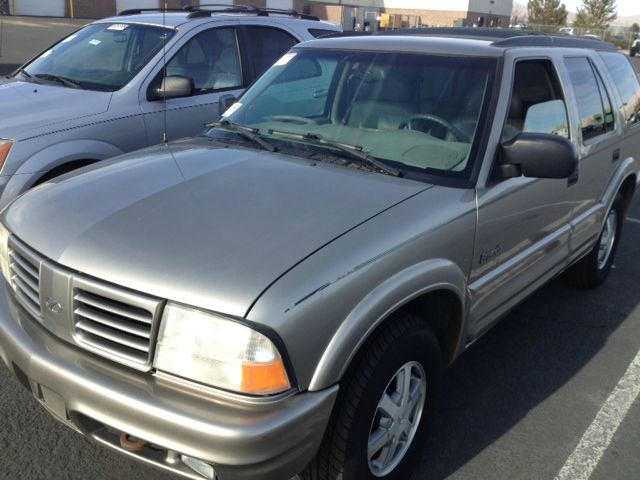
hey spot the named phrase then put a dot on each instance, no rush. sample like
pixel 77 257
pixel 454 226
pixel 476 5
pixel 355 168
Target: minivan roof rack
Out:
pixel 199 12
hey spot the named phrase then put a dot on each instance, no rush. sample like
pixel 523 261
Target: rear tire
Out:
pixel 368 437
pixel 593 269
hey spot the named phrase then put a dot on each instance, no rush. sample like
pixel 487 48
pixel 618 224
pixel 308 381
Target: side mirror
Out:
pixel 224 102
pixel 538 155
pixel 174 86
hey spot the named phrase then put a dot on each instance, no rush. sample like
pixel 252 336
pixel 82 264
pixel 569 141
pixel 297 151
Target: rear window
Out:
pixel 627 84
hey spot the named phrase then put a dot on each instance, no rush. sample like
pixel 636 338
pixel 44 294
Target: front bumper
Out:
pixel 261 440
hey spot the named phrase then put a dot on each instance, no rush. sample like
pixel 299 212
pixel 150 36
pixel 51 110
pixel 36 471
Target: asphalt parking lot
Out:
pixel 539 397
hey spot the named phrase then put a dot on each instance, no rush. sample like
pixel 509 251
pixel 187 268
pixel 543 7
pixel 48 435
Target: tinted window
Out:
pixel 211 59
pixel 588 97
pixel 606 104
pixel 267 45
pixel 627 84
pixel 321 32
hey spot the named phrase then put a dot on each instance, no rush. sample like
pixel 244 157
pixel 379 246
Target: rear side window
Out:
pixel 267 45
pixel 321 32
pixel 588 97
pixel 627 84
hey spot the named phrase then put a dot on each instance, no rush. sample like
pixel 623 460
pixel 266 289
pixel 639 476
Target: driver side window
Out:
pixel 537 104
pixel 211 59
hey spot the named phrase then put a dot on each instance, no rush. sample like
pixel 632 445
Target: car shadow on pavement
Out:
pixel 527 357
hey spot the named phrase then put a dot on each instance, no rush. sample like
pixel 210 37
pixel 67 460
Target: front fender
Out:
pixel 389 296
pixel 53 156
pixel 49 158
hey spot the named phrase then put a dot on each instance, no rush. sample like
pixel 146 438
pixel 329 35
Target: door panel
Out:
pixel 600 142
pixel 523 223
pixel 41 8
pixel 211 59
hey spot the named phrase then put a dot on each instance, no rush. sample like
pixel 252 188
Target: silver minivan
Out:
pixel 100 92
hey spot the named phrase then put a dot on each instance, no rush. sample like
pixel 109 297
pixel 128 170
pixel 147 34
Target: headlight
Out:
pixel 218 352
pixel 4 251
pixel 5 148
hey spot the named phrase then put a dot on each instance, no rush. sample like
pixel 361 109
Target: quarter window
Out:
pixel 211 59
pixel 627 84
pixel 590 105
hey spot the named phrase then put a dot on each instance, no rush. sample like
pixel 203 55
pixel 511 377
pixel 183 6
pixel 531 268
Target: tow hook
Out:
pixel 132 444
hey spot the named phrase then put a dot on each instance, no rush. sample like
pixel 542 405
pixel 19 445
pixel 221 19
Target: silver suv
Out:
pixel 99 92
pixel 281 294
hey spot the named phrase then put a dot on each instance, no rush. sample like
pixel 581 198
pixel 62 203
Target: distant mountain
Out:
pixel 627 21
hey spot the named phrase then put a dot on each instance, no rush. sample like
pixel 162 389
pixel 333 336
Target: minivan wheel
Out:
pixel 593 269
pixel 384 406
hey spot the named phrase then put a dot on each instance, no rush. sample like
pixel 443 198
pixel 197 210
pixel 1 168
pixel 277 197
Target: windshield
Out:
pixel 415 112
pixel 104 56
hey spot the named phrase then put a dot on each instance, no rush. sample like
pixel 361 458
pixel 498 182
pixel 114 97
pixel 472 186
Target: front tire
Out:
pixel 593 269
pixel 386 401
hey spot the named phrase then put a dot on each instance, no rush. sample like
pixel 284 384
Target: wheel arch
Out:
pixel 627 190
pixel 434 291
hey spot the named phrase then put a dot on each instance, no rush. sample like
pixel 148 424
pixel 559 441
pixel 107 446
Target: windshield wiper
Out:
pixel 57 78
pixel 354 151
pixel 247 132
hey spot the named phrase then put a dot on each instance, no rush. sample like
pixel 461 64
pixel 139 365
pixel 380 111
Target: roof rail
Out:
pixel 567 41
pixel 199 12
pixel 138 11
pixel 500 37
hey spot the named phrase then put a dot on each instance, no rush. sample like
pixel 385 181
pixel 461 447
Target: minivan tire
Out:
pixel 404 347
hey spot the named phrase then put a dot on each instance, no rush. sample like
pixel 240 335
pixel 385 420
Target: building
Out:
pixel 351 14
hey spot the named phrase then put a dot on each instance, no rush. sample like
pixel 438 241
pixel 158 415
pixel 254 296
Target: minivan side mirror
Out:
pixel 538 155
pixel 224 102
pixel 173 86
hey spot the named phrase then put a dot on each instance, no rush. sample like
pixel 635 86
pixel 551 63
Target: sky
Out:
pixel 625 7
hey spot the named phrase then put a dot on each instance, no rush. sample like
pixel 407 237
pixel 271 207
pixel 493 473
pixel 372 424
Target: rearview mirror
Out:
pixel 538 155
pixel 173 86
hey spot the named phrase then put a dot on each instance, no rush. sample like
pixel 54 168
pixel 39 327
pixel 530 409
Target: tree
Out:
pixel 518 13
pixel 547 12
pixel 596 14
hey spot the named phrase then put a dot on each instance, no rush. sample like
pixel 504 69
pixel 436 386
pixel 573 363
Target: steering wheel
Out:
pixel 430 118
pixel 292 119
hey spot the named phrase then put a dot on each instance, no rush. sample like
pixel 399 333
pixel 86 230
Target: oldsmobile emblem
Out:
pixel 52 305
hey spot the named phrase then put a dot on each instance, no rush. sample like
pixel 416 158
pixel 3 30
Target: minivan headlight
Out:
pixel 4 251
pixel 216 351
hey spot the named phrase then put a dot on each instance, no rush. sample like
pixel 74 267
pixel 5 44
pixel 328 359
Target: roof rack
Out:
pixel 199 12
pixel 500 37
pixel 555 41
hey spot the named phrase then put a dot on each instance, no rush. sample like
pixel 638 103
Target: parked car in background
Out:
pixel 282 293
pixel 102 91
pixel 635 47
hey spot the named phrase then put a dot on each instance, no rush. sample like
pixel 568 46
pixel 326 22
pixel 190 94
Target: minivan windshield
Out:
pixel 103 56
pixel 415 112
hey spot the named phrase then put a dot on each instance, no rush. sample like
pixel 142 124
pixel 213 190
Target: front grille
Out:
pixel 116 322
pixel 25 280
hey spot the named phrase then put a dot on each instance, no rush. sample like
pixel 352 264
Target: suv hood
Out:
pixel 27 107
pixel 211 227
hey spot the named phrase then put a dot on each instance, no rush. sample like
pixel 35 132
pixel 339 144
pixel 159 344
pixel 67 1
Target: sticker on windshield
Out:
pixel 118 27
pixel 69 38
pixel 232 109
pixel 286 58
pixel 95 42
